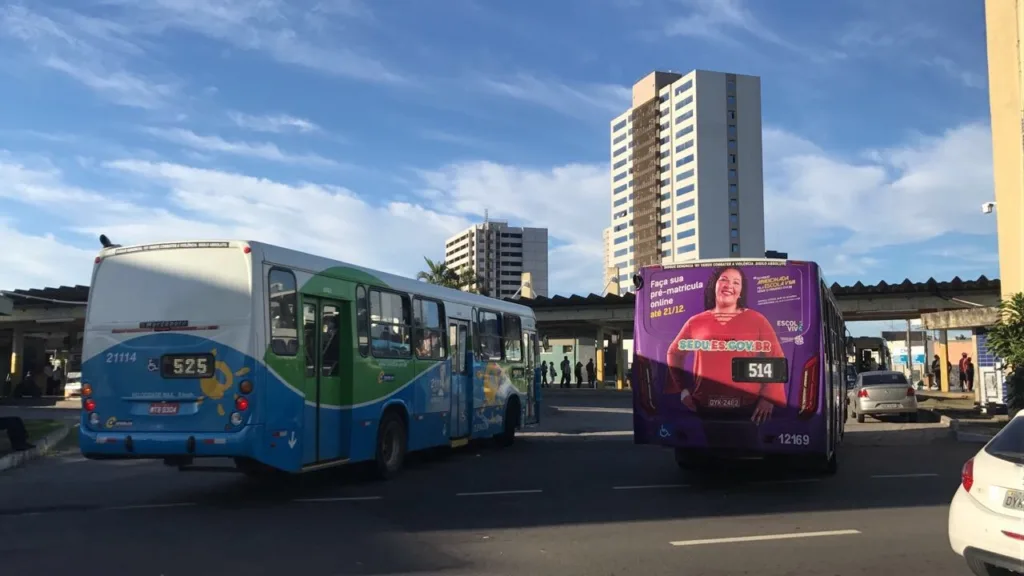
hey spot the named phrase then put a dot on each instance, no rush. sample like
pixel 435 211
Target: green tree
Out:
pixel 439 273
pixel 1006 340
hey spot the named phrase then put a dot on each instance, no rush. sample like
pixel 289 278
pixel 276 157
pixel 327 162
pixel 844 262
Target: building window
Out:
pixel 730 85
pixel 732 145
pixel 666 253
pixel 734 205
pixel 687 204
pixel 620 176
pixel 732 114
pixel 619 126
pixel 683 87
pixel 685 219
pixel 619 138
pixel 733 189
pixel 619 151
pixel 731 100
pixel 686 234
pixel 620 239
pixel 666 195
pixel 732 173
pixel 620 164
pixel 734 233
pixel 735 248
pixel 666 210
pixel 684 175
pixel 684 131
pixel 513 338
pixel 684 146
pixel 685 249
pixel 684 116
pixel 684 190
pixel 734 219
pixel 732 158
pixel 732 131
pixel 666 239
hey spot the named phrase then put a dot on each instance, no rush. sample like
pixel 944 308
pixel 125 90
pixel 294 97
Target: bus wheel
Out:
pixel 511 422
pixel 860 418
pixel 391 446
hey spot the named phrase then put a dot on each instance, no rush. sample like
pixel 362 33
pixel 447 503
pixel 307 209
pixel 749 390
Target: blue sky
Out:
pixel 370 131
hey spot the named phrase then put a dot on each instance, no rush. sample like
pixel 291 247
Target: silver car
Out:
pixel 883 393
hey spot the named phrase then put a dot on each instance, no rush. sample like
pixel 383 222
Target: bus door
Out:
pixel 328 345
pixel 462 378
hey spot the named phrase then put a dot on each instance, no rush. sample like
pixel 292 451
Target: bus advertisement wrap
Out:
pixel 727 356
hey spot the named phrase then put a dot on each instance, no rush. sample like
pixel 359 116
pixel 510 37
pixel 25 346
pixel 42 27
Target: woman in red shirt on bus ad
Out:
pixel 727 329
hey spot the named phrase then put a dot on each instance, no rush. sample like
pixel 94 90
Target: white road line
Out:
pixel 650 487
pixel 340 499
pixel 794 481
pixel 924 475
pixel 152 506
pixel 499 492
pixel 765 537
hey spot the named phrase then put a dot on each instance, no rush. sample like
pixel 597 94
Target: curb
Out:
pixel 41 448
pixel 961 436
pixel 620 436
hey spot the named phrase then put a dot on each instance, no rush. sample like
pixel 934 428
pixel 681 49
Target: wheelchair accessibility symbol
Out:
pixel 663 432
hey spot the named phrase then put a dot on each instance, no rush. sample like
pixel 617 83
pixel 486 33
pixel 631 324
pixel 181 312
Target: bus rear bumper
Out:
pixel 159 445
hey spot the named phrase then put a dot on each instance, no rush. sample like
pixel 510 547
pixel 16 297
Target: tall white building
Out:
pixel 686 177
pixel 498 254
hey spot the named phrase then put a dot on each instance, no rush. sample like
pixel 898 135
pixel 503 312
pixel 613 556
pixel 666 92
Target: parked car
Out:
pixel 986 517
pixel 882 393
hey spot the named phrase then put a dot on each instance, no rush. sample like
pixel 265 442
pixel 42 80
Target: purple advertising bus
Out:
pixel 739 358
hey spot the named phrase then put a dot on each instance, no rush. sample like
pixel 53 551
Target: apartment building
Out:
pixel 687 174
pixel 499 254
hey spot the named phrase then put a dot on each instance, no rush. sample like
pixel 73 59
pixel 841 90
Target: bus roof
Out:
pixel 317 264
pixel 723 261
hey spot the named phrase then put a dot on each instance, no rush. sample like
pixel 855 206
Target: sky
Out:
pixel 369 131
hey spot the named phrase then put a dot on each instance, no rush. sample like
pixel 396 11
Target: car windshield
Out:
pixel 1007 445
pixel 883 379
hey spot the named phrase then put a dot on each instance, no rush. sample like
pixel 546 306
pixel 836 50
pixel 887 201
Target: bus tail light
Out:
pixel 241 404
pixel 89 404
pixel 86 390
pixel 245 387
pixel 967 475
pixel 809 388
pixel 862 394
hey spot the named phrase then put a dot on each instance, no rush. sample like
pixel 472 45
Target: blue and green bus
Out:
pixel 285 361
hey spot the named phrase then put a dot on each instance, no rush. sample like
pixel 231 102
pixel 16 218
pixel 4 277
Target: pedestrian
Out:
pixel 579 373
pixel 970 374
pixel 936 382
pixel 566 372
pixel 544 374
pixel 591 374
pixel 962 370
pixel 553 373
pixel 16 433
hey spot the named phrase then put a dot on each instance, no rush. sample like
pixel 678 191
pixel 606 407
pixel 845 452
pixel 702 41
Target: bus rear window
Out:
pixel 198 285
pixel 883 379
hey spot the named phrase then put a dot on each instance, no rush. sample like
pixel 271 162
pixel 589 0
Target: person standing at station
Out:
pixel 566 368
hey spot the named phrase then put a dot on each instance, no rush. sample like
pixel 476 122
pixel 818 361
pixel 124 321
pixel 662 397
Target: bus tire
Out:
pixel 510 423
pixel 392 443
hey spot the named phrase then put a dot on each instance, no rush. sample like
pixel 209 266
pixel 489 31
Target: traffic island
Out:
pixel 45 434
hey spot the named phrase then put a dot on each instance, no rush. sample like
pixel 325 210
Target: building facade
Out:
pixel 1004 30
pixel 498 255
pixel 687 174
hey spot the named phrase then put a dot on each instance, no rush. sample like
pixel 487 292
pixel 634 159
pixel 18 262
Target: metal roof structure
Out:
pixel 858 290
pixel 61 296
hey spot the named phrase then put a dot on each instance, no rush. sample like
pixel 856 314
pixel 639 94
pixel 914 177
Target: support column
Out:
pixel 17 355
pixel 620 362
pixel 599 357
pixel 944 361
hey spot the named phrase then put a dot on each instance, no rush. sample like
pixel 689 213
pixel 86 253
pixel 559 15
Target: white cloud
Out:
pixel 40 260
pixel 89 50
pixel 930 186
pixel 719 19
pixel 958 73
pixel 583 101
pixel 274 123
pixel 264 150
pixel 268 26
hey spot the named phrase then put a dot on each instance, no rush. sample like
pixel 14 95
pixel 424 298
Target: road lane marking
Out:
pixel 152 506
pixel 499 492
pixel 650 487
pixel 765 537
pixel 793 481
pixel 922 475
pixel 340 499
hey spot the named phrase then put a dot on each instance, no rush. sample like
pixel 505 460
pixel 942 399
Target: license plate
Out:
pixel 889 405
pixel 163 408
pixel 1014 500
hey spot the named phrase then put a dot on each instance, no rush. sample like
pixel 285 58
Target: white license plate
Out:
pixel 163 408
pixel 890 405
pixel 1014 500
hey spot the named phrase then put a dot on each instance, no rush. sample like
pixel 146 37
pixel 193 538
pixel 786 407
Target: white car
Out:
pixel 986 517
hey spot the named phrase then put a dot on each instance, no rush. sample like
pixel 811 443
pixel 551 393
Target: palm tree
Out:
pixel 439 273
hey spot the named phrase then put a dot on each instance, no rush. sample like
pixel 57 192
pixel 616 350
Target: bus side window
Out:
pixel 513 338
pixel 389 325
pixel 428 329
pixel 284 312
pixel 362 321
pixel 489 335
